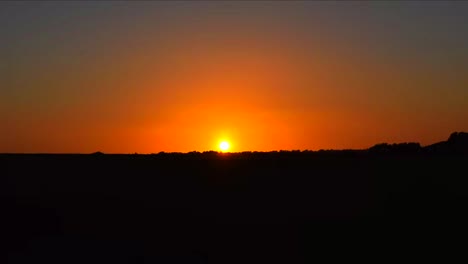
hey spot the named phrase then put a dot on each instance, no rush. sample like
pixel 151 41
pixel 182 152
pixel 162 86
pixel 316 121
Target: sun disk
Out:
pixel 224 146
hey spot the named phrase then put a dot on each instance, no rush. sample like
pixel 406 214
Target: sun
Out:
pixel 224 146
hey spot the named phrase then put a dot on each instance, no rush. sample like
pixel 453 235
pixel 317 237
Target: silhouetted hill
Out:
pixel 400 148
pixel 457 143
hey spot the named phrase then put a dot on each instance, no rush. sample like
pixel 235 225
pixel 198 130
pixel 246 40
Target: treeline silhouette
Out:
pixel 456 144
pixel 394 200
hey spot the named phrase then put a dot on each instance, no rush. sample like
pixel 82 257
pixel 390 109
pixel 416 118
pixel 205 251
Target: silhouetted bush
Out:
pixel 401 148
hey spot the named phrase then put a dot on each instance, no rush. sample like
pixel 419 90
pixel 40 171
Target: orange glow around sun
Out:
pixel 223 83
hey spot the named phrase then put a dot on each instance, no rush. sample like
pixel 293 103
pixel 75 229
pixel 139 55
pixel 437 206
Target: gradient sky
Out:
pixel 124 77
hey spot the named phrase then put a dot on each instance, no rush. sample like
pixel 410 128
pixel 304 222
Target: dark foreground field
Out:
pixel 226 208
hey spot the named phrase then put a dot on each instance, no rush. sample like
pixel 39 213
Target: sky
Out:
pixel 151 76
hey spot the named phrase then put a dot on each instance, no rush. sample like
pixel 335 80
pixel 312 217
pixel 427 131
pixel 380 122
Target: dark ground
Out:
pixel 226 208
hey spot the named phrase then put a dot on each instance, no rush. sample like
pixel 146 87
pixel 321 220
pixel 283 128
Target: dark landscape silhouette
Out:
pixel 255 207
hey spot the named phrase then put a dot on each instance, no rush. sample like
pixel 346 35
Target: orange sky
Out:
pixel 148 77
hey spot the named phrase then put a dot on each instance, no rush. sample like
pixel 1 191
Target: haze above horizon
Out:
pixel 125 77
